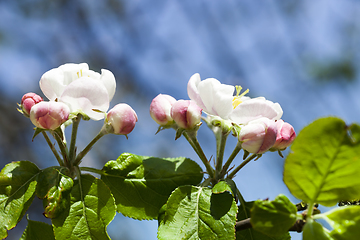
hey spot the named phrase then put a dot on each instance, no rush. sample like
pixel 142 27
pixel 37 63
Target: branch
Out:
pixel 245 224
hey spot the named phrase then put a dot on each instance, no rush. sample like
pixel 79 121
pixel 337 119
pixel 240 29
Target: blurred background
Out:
pixel 302 54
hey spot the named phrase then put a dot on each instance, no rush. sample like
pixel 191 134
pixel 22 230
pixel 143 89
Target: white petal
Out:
pixel 73 67
pixel 207 94
pixel 52 83
pixel 255 108
pixel 192 89
pixel 108 79
pixel 86 94
pixel 224 97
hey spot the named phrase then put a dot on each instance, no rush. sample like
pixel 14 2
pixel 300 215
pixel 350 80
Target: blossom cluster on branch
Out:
pixel 73 89
pixel 256 121
pixel 185 199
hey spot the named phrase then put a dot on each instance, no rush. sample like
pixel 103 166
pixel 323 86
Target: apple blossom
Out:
pixel 83 90
pixel 285 135
pixel 49 115
pixel 160 108
pixel 218 99
pixel 29 100
pixel 122 118
pixel 186 114
pixel 210 95
pixel 258 136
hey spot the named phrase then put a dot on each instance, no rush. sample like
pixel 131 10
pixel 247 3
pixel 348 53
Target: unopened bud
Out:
pixel 285 135
pixel 29 100
pixel 122 118
pixel 49 115
pixel 258 135
pixel 160 108
pixel 186 114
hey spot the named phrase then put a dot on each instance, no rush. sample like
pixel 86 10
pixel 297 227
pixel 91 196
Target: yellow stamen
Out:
pixel 237 99
pixel 79 74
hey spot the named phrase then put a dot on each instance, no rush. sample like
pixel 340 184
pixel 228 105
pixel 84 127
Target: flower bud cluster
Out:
pixel 73 89
pixel 263 134
pixel 167 112
pixel 259 127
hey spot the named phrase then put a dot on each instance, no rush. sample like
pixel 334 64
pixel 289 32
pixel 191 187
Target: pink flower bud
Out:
pixel 258 135
pixel 285 135
pixel 186 114
pixel 160 108
pixel 29 100
pixel 122 118
pixel 49 115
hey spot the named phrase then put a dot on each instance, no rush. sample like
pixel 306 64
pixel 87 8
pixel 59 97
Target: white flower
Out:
pixel 217 99
pixel 80 88
pixel 212 96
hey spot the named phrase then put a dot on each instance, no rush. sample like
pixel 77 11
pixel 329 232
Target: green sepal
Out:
pixel 179 132
pixel 37 132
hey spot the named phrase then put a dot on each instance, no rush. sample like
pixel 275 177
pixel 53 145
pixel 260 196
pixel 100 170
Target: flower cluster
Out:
pixel 168 112
pixel 74 89
pixel 259 127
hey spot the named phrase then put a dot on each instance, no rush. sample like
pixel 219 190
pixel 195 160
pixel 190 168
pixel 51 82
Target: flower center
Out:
pixel 237 99
pixel 79 74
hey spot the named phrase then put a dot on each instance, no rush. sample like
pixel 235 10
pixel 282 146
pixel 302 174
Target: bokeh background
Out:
pixel 302 54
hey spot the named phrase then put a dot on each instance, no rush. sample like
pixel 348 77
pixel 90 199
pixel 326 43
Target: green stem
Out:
pixel 229 161
pixel 93 170
pixel 310 210
pixel 191 138
pixel 62 147
pixel 75 127
pixel 246 161
pixel 58 158
pixel 220 153
pixel 82 154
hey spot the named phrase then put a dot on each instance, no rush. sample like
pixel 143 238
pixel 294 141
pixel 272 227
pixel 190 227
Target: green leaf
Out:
pixel 273 218
pixel 141 185
pixel 314 231
pixel 54 187
pixel 221 187
pixel 345 222
pixel 91 209
pixel 38 231
pixel 250 233
pixel 324 165
pixel 189 214
pixel 17 188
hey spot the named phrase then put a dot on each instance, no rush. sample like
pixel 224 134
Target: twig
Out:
pixel 245 224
